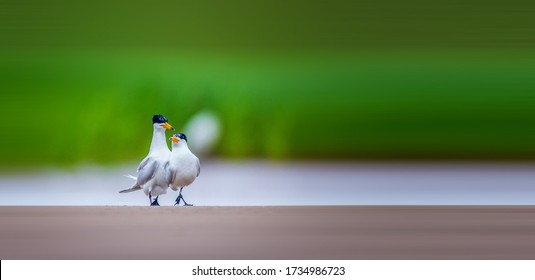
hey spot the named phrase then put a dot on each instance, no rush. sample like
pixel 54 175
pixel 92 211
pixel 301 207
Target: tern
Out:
pixel 151 171
pixel 183 166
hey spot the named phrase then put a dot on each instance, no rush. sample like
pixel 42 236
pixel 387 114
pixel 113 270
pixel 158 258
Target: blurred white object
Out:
pixel 204 130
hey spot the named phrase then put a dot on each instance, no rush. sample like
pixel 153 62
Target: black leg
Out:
pixel 155 202
pixel 150 198
pixel 180 196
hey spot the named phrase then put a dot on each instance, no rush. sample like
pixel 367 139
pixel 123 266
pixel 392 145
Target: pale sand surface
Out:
pixel 271 232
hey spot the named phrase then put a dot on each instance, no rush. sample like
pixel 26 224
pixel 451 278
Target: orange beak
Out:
pixel 167 126
pixel 175 139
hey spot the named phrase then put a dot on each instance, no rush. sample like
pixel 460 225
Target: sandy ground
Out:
pixel 271 232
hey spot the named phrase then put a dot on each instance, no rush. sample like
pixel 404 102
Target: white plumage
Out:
pixel 151 171
pixel 183 166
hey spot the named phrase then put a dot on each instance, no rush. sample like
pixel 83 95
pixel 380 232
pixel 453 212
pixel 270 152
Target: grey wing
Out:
pixel 198 167
pixel 143 163
pixel 146 170
pixel 169 173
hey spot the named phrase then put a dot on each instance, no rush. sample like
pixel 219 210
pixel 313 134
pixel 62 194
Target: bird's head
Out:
pixel 178 137
pixel 160 121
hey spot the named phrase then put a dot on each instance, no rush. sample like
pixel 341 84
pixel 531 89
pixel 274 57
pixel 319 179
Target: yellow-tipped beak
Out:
pixel 175 139
pixel 167 126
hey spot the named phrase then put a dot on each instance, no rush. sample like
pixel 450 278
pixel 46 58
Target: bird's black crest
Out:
pixel 181 136
pixel 159 119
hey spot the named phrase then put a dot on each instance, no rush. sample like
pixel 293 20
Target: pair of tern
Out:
pixel 162 168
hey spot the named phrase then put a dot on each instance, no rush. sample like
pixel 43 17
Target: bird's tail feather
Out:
pixel 132 189
pixel 130 176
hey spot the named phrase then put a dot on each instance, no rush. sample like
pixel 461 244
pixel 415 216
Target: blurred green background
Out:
pixel 289 80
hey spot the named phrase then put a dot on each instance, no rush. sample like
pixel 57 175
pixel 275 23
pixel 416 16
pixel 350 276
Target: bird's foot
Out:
pixel 185 203
pixel 155 203
pixel 177 200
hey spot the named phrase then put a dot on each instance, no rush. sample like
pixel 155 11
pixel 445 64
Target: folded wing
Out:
pixel 146 170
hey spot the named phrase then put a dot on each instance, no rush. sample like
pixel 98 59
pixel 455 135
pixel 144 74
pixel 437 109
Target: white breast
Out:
pixel 184 166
